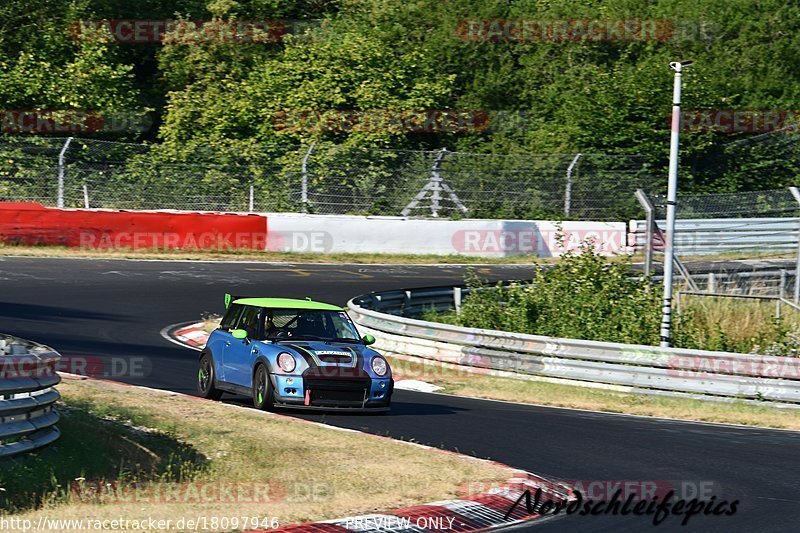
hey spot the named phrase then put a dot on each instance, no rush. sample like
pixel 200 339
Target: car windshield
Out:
pixel 307 324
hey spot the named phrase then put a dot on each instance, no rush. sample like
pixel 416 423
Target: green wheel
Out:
pixel 263 397
pixel 205 379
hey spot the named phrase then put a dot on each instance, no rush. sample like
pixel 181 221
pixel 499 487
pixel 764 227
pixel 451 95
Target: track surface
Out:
pixel 107 308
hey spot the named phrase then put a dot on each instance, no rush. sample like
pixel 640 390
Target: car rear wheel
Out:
pixel 205 379
pixel 263 398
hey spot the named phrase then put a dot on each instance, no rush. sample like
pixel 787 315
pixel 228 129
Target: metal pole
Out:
pixel 61 171
pixel 796 193
pixel 85 196
pixel 304 180
pixel 672 195
pixel 568 189
pixel 252 197
pixel 782 286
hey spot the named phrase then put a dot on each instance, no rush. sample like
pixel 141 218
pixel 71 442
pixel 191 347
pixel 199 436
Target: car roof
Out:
pixel 287 303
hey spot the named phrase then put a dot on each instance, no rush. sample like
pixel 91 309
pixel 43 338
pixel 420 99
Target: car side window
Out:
pixel 231 317
pixel 249 321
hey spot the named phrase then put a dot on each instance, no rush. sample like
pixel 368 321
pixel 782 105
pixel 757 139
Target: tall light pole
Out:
pixel 672 195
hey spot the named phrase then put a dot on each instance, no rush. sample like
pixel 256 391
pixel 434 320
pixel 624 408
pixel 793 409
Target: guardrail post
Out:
pixel 782 286
pixel 796 194
pixel 712 283
pixel 457 299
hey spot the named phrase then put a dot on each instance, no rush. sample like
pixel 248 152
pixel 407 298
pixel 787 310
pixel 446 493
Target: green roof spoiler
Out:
pixel 233 297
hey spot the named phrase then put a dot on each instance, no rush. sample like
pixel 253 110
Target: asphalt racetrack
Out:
pixel 116 309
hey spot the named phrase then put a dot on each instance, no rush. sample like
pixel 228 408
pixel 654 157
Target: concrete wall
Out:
pixel 485 238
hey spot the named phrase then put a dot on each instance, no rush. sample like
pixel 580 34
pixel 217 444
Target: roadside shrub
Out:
pixel 583 296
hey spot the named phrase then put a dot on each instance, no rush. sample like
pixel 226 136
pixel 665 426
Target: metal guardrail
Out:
pixel 647 369
pixel 27 395
pixel 723 235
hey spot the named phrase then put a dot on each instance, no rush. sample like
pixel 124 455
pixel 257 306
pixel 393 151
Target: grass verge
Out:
pixel 454 381
pixel 133 453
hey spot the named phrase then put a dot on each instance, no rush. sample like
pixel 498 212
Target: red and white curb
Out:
pixel 192 335
pixel 499 507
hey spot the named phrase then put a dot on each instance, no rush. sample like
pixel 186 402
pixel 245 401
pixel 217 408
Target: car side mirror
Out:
pixel 239 334
pixel 368 339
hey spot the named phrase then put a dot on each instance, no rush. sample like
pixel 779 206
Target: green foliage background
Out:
pixel 608 97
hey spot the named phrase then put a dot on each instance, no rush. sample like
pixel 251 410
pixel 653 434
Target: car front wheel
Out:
pixel 205 379
pixel 263 398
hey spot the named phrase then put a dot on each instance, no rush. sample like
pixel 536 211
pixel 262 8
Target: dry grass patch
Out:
pixel 310 472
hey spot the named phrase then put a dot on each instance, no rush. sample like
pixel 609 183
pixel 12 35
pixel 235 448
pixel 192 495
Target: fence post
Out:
pixel 85 196
pixel 457 299
pixel 252 197
pixel 796 194
pixel 436 183
pixel 648 236
pixel 712 282
pixel 304 180
pixel 568 189
pixel 61 172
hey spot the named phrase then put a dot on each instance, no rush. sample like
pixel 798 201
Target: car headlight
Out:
pixel 286 362
pixel 379 366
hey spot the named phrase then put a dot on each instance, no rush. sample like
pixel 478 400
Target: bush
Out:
pixel 583 296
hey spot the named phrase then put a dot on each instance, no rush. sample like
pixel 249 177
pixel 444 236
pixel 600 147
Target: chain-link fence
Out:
pixel 324 179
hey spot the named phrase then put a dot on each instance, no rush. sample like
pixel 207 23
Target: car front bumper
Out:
pixel 351 395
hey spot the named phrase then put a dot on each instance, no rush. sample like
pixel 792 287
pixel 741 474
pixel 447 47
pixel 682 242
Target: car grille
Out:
pixel 337 359
pixel 340 392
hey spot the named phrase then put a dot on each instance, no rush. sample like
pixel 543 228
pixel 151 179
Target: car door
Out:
pixel 239 355
pixel 222 338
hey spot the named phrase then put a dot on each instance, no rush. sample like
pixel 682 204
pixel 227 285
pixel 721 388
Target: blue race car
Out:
pixel 294 354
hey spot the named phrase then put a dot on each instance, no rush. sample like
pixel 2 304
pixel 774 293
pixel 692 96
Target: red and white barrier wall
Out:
pixel 32 224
